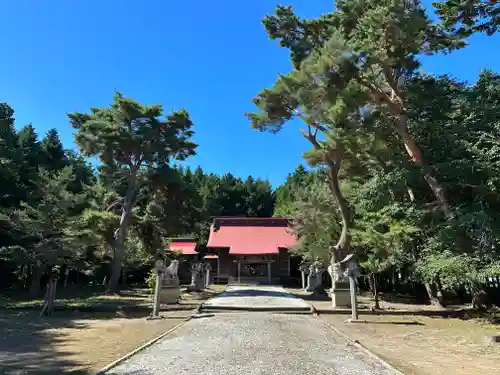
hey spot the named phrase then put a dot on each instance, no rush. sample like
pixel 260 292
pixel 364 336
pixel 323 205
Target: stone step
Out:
pixel 273 309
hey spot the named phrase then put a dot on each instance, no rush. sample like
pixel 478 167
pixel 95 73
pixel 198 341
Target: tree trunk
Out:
pixel 376 302
pixel 343 243
pixel 36 277
pixel 124 276
pixel 66 276
pixel 433 295
pixel 416 156
pixel 372 281
pixel 121 233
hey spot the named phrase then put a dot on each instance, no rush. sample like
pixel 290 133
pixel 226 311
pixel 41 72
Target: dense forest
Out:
pixel 59 213
pixel 405 166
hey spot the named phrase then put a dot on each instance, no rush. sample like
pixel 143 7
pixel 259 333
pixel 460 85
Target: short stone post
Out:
pixel 208 275
pixel 200 279
pixel 319 277
pixel 352 273
pixel 194 275
pixel 303 270
pixel 159 276
pixel 310 279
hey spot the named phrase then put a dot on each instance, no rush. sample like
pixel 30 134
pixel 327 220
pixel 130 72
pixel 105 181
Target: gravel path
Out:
pixel 256 297
pixel 252 344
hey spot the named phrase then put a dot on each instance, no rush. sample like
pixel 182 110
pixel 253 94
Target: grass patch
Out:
pixel 85 297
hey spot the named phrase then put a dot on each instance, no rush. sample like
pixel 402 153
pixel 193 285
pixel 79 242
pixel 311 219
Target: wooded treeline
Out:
pixel 59 213
pixel 408 162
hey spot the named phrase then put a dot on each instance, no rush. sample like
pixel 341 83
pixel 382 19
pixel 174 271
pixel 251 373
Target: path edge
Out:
pixel 360 346
pixel 113 364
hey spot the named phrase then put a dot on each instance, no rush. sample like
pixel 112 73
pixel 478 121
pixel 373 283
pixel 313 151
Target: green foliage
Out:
pixel 468 16
pixel 56 209
pixel 46 229
pixel 151 279
pixel 356 81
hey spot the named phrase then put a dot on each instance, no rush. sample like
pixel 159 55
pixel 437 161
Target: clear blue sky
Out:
pixel 210 57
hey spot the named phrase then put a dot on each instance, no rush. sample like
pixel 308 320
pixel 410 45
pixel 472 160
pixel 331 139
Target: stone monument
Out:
pixel 170 290
pixel 340 284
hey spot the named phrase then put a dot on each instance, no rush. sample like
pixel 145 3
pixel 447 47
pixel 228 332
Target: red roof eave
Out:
pixel 186 248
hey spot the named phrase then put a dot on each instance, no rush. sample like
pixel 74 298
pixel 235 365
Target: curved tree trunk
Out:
pixel 435 295
pixel 121 232
pixel 333 160
pixel 342 246
pixel 415 154
pixel 395 102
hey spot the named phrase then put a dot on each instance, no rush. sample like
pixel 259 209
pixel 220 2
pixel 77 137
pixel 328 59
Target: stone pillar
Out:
pixel 319 278
pixel 194 275
pixel 239 271
pixel 310 279
pixel 269 271
pixel 303 278
pixel 208 275
pixel 200 280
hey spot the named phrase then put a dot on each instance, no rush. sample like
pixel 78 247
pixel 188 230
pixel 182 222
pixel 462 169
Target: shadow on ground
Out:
pixel 313 297
pixel 42 346
pixel 402 323
pixel 26 346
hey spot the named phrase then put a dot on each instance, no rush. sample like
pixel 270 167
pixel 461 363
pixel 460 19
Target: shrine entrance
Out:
pixel 253 269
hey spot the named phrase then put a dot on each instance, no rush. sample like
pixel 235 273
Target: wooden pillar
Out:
pixel 269 270
pixel 289 271
pixel 218 265
pixel 239 269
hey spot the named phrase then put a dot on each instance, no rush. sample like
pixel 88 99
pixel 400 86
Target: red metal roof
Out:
pixel 251 236
pixel 187 247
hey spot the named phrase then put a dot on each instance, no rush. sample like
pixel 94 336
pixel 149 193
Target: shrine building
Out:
pixel 246 250
pixel 252 250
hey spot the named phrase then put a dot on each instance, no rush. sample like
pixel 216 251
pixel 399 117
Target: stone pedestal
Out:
pixel 170 291
pixel 200 281
pixel 340 294
pixel 319 279
pixel 170 294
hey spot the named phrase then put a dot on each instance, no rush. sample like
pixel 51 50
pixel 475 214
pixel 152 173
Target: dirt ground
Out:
pixel 79 343
pixel 426 346
pixel 63 344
